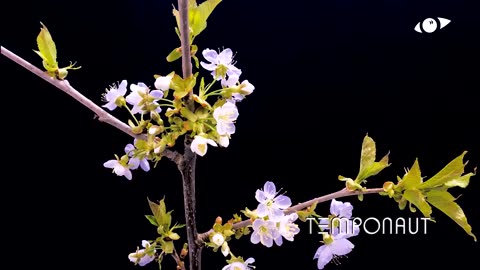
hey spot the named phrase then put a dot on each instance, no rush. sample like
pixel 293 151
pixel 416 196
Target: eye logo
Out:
pixel 429 25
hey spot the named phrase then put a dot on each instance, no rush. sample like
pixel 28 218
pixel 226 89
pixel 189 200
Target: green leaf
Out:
pixel 188 114
pixel 462 181
pixel 412 179
pixel 445 202
pixel 198 15
pixel 368 166
pixel 174 55
pixel 152 220
pixel 452 171
pixel 416 197
pixel 159 212
pixel 47 48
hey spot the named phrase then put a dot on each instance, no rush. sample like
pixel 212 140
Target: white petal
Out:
pixel 346 210
pixel 275 214
pixel 260 196
pixel 257 223
pixel 119 169
pixel 122 88
pixel 262 210
pixel 132 257
pixel 250 261
pixel 247 87
pixel 210 66
pixel 210 55
pixel 224 141
pixel 255 238
pixel 212 142
pixel 112 95
pixel 134 162
pixel 128 174
pixel 335 207
pixel 110 164
pixel 145 260
pixel 225 57
pixel 270 190
pixel 133 98
pixel 324 256
pixel 110 105
pixel 341 247
pixel 282 202
pixel 145 165
pixel 145 243
pixel 233 71
pixel 267 241
pixel 279 240
pixel 157 94
pixel 163 82
pixel 129 149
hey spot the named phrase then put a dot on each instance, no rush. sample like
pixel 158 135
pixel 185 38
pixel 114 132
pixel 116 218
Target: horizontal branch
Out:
pixel 341 193
pixel 65 86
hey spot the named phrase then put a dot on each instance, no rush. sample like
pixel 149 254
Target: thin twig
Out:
pixel 341 193
pixel 178 260
pixel 65 86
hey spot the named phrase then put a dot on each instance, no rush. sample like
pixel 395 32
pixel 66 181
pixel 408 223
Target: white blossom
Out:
pixel 139 96
pixel 264 231
pixel 334 246
pixel 271 205
pixel 141 257
pixel 119 168
pixel 200 145
pixel 224 141
pixel 218 239
pixel 287 228
pixel 245 89
pixel 112 95
pixel 221 65
pixel 240 265
pixel 135 162
pixel 225 117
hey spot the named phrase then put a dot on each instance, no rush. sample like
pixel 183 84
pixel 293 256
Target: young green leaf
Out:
pixel 452 171
pixel 198 15
pixel 445 202
pixel 152 220
pixel 47 49
pixel 412 179
pixel 368 166
pixel 416 197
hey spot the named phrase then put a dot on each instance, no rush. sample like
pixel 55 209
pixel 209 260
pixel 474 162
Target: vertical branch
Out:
pixel 188 162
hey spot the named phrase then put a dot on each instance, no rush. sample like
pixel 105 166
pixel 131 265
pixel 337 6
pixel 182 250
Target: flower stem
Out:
pixel 130 112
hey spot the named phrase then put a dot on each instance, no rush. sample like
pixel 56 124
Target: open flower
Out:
pixel 287 228
pixel 334 246
pixel 343 214
pixel 141 98
pixel 135 162
pixel 221 65
pixel 240 265
pixel 141 257
pixel 225 117
pixel 271 205
pixel 224 141
pixel 114 96
pixel 264 231
pixel 200 145
pixel 120 167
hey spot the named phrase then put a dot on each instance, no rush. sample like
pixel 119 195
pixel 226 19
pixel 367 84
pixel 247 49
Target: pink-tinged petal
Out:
pixel 341 247
pixel 122 88
pixel 129 149
pixel 275 214
pixel 134 163
pixel 260 196
pixel 145 165
pixel 208 66
pixel 255 238
pixel 128 174
pixel 110 164
pixel 324 256
pixel 210 55
pixel 110 105
pixel 225 57
pixel 270 190
pixel 157 94
pixel 262 210
pixel 282 202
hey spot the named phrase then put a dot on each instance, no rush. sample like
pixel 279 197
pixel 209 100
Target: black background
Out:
pixel 326 73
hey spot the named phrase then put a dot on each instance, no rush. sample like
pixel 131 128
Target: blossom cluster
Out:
pixel 207 124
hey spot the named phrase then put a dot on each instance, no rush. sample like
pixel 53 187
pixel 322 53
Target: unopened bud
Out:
pixel 218 220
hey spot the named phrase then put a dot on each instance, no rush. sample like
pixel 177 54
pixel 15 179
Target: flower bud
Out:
pixel 218 239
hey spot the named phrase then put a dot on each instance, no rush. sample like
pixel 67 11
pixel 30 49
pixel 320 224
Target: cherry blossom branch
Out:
pixel 185 38
pixel 65 86
pixel 339 194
